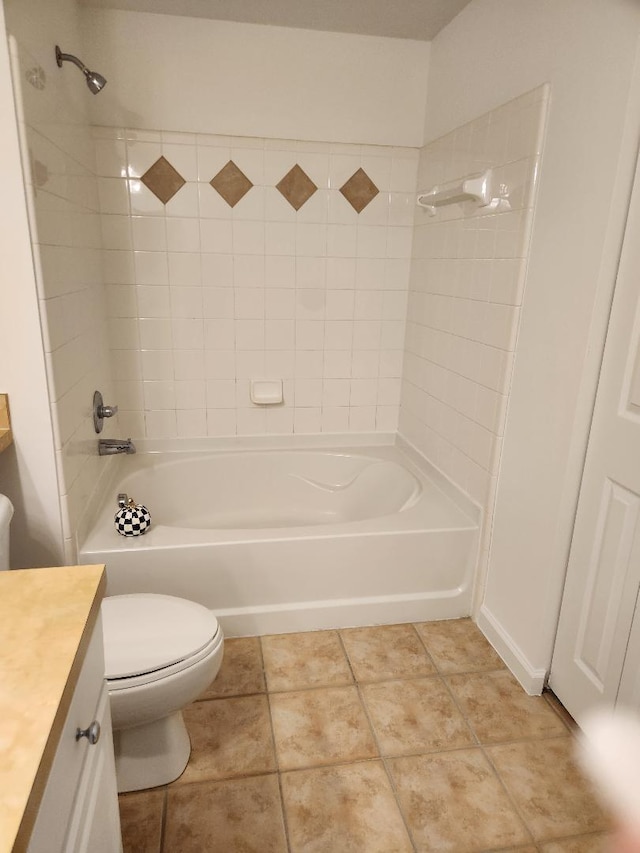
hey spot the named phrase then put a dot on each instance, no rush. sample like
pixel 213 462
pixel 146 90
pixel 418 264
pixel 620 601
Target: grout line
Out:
pixel 276 756
pixel 414 625
pixel 387 759
pixel 506 788
pixel 346 655
pixel 509 796
pixel 493 768
pixel 283 811
pixel 163 823
pixel 424 646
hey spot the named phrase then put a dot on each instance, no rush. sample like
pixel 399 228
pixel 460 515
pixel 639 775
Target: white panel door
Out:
pixel 603 576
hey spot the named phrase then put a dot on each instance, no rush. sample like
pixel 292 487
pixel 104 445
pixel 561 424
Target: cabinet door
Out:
pixel 95 824
pixel 79 807
pixel 58 801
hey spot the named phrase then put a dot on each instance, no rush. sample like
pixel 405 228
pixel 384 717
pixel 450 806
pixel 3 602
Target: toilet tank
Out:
pixel 6 512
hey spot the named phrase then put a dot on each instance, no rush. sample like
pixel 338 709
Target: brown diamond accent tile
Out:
pixel 297 187
pixel 163 180
pixel 359 190
pixel 231 183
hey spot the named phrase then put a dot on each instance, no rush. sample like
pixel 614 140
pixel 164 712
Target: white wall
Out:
pixel 62 196
pixel 27 469
pixel 185 74
pixel 467 279
pixel 492 51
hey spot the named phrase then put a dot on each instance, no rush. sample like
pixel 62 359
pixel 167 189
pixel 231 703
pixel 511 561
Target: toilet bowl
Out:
pixel 161 653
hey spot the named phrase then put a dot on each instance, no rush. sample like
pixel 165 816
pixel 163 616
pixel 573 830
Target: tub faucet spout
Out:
pixel 109 446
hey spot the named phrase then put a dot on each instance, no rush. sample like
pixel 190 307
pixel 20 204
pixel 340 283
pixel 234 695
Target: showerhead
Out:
pixel 95 81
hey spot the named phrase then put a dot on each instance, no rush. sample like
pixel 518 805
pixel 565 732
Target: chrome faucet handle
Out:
pixel 101 411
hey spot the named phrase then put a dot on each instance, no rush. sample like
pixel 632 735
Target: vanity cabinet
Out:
pixel 79 808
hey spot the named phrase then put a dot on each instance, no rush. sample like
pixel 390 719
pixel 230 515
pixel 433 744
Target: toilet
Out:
pixel 6 514
pixel 161 653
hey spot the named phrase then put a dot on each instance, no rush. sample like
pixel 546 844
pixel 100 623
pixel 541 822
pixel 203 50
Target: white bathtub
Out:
pixel 291 540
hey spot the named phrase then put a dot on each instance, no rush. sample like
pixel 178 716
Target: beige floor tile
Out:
pixel 241 671
pixel 141 820
pixel 415 716
pixel 499 710
pixel 553 797
pixel 323 726
pixel 528 848
pixel 600 842
pixel 346 808
pixel 385 652
pixel 453 801
pixel 229 737
pixel 298 661
pixel 226 817
pixel 458 645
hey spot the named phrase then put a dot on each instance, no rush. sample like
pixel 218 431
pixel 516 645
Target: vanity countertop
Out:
pixel 46 620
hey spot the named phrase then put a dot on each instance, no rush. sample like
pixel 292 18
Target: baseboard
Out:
pixel 532 679
pixel 346 613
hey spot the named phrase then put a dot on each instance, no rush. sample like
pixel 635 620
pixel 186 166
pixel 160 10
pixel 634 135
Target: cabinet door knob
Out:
pixel 92 734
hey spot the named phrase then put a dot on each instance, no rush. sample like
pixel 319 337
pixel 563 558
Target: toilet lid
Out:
pixel 145 632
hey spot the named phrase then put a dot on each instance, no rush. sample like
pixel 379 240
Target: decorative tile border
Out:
pixel 231 183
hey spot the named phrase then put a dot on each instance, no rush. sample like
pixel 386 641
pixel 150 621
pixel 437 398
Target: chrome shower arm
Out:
pixel 69 57
pixel 96 82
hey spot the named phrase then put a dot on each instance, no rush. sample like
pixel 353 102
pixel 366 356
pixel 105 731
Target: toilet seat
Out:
pixel 150 636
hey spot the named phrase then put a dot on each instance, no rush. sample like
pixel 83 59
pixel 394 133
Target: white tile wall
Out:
pixel 64 208
pixel 203 297
pixel 467 280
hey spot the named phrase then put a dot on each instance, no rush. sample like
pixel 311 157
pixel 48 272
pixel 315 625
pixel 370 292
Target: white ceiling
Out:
pixel 412 19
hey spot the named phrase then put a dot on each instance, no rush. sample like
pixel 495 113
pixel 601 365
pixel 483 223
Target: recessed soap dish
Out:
pixel 266 392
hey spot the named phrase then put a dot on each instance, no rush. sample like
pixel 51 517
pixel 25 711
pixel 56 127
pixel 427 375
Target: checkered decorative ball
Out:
pixel 132 520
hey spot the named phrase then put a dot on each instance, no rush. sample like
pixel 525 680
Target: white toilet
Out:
pixel 161 653
pixel 6 513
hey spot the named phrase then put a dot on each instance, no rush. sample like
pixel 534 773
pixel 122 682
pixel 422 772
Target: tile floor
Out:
pixel 381 740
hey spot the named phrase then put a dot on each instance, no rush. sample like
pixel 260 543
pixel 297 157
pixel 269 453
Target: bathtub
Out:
pixel 291 540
